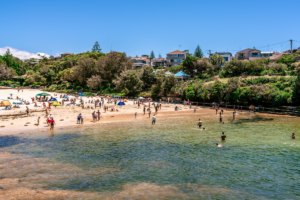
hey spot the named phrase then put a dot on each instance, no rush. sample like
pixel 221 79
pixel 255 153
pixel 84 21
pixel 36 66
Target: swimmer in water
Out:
pixel 223 136
pixel 293 136
pixel 219 145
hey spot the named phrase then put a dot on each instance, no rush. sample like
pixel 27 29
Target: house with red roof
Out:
pixel 175 58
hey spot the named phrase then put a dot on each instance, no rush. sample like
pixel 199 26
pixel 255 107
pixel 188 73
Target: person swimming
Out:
pixel 219 145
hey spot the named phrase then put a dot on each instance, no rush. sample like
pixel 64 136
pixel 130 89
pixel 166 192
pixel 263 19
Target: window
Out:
pixel 226 59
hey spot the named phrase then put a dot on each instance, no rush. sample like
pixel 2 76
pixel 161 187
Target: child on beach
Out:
pixel 52 122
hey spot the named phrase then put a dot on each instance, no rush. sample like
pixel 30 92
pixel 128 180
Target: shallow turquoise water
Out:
pixel 259 159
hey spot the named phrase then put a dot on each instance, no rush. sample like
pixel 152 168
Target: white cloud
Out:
pixel 22 54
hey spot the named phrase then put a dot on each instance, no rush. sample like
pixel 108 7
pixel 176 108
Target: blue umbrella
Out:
pixel 121 103
pixel 53 99
pixel 11 94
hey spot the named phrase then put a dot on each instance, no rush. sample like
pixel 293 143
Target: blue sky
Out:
pixel 137 27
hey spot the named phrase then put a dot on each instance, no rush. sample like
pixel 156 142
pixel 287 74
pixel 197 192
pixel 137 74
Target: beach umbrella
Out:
pixel 5 103
pixel 121 103
pixel 53 99
pixel 141 98
pixel 43 94
pixel 10 94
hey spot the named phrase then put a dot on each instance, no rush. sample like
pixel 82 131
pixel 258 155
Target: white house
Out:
pixel 226 55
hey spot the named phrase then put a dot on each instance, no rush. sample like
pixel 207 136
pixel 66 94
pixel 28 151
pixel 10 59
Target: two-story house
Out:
pixel 175 58
pixel 226 55
pixel 248 54
pixel 157 62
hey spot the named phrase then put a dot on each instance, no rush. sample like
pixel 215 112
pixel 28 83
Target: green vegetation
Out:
pixel 275 83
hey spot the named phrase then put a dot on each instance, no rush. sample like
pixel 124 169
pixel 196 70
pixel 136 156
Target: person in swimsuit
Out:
pixel 219 145
pixel 293 136
pixel 223 136
pixel 38 121
pixel 98 113
pixel 153 119
pixel 78 118
pixel 52 122
pixel 200 123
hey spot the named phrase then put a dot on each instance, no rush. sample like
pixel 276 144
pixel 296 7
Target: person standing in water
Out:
pixel 233 115
pixel 293 136
pixel 223 136
pixel 220 118
pixel 52 122
pixel 200 123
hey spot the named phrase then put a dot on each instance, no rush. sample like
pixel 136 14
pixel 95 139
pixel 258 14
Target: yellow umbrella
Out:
pixel 5 103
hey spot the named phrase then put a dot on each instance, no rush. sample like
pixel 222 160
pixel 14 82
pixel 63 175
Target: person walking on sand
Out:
pixel 38 121
pixel 144 110
pixel 135 114
pixel 153 119
pixel 200 123
pixel 78 118
pixel 194 110
pixel 81 118
pixel 52 122
pixel 93 116
pixel 149 112
pixel 220 118
pixel 27 110
pixel 216 111
pixel 234 115
pixel 223 136
pixel 98 113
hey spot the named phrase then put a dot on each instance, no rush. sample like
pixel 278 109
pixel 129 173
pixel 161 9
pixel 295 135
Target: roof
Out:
pixel 181 73
pixel 176 52
pixel 222 53
pixel 267 52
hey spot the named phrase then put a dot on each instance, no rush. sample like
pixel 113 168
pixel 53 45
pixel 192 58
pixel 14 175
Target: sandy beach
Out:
pixel 67 115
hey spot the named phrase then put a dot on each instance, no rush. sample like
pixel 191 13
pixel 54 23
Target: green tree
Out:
pixel 96 47
pixel 148 77
pixel 217 61
pixel 129 82
pixel 189 65
pixel 198 52
pixel 152 55
pixel 190 93
pixel 217 91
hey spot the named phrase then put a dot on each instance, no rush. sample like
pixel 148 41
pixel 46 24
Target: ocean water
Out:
pixel 170 160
